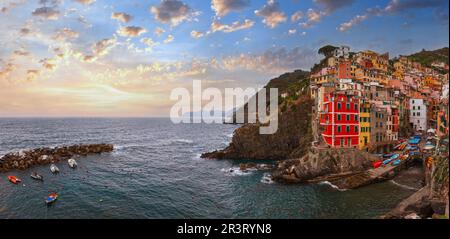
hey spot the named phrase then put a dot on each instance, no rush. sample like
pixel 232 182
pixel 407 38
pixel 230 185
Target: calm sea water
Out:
pixel 155 172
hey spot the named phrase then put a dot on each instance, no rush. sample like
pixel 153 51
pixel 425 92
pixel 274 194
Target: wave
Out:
pixel 184 141
pixel 236 171
pixel 267 179
pixel 404 186
pixel 332 186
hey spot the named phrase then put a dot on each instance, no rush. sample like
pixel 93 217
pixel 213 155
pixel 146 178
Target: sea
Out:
pixel 155 172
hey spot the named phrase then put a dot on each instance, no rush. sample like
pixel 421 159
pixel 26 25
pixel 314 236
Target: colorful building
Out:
pixel 418 114
pixel 339 119
pixel 364 125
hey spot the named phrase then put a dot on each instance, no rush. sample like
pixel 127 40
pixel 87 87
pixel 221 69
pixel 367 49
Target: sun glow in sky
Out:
pixel 123 58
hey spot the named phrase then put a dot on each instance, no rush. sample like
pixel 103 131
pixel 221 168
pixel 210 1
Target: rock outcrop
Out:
pixel 41 156
pixel 294 134
pixel 323 164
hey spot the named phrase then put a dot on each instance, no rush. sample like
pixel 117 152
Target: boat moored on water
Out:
pixel 37 176
pixel 14 179
pixel 51 198
pixel 54 169
pixel 72 163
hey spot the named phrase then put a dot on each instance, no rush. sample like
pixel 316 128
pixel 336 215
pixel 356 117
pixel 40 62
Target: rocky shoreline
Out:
pixel 41 156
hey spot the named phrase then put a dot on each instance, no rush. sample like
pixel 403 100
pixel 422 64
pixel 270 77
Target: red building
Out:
pixel 395 120
pixel 344 70
pixel 339 119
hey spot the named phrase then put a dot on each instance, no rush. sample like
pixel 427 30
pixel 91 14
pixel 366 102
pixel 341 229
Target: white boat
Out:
pixel 54 169
pixel 72 163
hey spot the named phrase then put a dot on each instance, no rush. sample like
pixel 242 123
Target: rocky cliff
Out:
pixel 294 126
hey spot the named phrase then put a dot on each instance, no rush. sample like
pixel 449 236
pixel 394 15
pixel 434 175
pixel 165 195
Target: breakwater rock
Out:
pixel 323 164
pixel 27 158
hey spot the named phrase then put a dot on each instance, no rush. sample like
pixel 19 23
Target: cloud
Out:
pixel 393 7
pixel 120 16
pixel 131 31
pixel 402 5
pixel 21 53
pixel 197 34
pixel 223 7
pixel 32 74
pixel 332 5
pixel 65 33
pixel 48 13
pixel 103 47
pixel 297 16
pixel 159 31
pixel 313 16
pixel 49 63
pixel 271 14
pixel 235 26
pixel 292 31
pixel 354 21
pixel 149 43
pixel 169 39
pixel 171 12
pixel 7 70
pixel 271 61
pixel 85 2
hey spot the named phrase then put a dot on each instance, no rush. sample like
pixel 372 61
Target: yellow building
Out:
pixel 364 125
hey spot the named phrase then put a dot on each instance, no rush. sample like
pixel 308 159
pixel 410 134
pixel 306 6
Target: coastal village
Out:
pixel 396 109
pixel 364 100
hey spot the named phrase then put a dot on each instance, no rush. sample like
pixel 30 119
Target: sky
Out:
pixel 110 58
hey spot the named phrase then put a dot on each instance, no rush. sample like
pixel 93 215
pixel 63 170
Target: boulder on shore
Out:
pixel 320 162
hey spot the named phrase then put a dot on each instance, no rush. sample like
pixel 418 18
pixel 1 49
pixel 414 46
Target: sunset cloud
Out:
pixel 48 13
pixel 120 16
pixel 271 14
pixel 65 34
pixel 85 2
pixel 223 7
pixel 171 12
pixel 131 31
pixel 196 34
pixel 169 39
pixel 235 26
pixel 393 7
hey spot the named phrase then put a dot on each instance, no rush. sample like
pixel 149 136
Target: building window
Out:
pixel 418 113
pixel 356 107
pixel 356 129
pixel 348 117
pixel 347 128
pixel 339 106
pixel 339 117
pixel 348 106
pixel 339 129
pixel 356 118
pixel 381 124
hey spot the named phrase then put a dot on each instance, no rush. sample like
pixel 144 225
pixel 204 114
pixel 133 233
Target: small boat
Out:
pixel 396 162
pixel 395 156
pixel 72 163
pixel 14 179
pixel 54 169
pixel 37 176
pixel 377 164
pixel 387 155
pixel 51 198
pixel 387 161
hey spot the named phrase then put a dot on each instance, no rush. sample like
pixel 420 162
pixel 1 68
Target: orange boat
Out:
pixel 14 179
